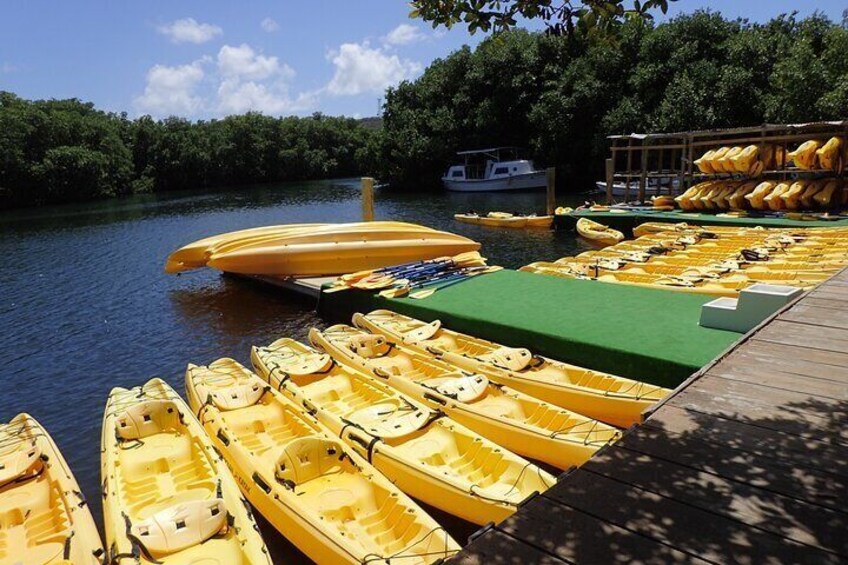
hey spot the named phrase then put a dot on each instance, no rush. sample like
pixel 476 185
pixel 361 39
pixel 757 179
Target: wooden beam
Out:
pixel 367 199
pixel 551 200
pixel 610 169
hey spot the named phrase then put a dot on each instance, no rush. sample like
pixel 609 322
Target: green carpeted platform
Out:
pixel 625 222
pixel 647 334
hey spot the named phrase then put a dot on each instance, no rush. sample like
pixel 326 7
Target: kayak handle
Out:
pixel 436 399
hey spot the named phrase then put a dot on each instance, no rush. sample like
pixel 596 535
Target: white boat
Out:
pixel 651 189
pixel 497 168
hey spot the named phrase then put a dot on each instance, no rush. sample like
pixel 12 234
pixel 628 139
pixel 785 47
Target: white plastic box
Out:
pixel 755 304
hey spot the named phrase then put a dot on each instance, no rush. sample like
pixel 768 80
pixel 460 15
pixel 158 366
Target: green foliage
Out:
pixel 65 150
pixel 560 16
pixel 559 97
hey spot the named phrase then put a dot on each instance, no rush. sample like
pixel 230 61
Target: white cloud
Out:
pixel 361 68
pixel 404 34
pixel 189 30
pixel 172 90
pixel 269 25
pixel 236 97
pixel 245 63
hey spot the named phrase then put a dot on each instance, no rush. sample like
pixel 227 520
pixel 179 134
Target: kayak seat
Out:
pixel 466 388
pixel 421 333
pixel 297 364
pixel 18 461
pixel 148 418
pixel 369 346
pixel 307 458
pixel 181 526
pixel 389 419
pixel 236 396
pixel 509 358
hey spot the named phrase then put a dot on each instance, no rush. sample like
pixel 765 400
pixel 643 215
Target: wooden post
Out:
pixel 367 199
pixel 610 172
pixel 551 200
pixel 629 170
pixel 643 173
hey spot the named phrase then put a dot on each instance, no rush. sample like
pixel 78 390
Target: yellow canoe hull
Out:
pixel 166 470
pixel 323 496
pixel 441 462
pixel 45 517
pixel 614 400
pixel 197 254
pixel 597 234
pixel 508 221
pixel 514 420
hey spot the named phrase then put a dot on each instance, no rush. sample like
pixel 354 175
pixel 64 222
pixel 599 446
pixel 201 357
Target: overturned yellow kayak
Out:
pixel 168 497
pixel 517 421
pixel 196 254
pixel 322 495
pixel 601 396
pixel 427 455
pixel 505 220
pixel 44 518
pixel 598 234
pixel 336 249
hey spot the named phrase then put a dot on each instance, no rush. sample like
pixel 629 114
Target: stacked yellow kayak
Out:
pixel 773 195
pixel 505 220
pixel 43 516
pixel 427 455
pixel 601 396
pixel 598 234
pixel 512 419
pixel 321 494
pixel 168 497
pixel 717 261
pixel 318 249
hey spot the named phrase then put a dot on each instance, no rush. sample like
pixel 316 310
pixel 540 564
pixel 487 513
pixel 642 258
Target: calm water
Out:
pixel 85 306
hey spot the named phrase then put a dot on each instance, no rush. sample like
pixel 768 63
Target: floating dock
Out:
pixel 626 221
pixel 646 334
pixel 747 462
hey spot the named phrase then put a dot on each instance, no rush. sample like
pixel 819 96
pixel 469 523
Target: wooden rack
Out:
pixel 669 158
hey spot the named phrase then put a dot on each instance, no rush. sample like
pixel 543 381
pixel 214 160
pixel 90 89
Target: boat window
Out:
pixel 457 174
pixel 501 170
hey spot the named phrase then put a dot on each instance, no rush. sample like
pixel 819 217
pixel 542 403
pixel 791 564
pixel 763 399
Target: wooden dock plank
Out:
pixel 827 316
pixel 497 548
pixel 807 455
pixel 771 512
pixel 747 463
pixel 587 539
pixel 692 530
pixel 804 335
pixel 829 365
pixel 778 474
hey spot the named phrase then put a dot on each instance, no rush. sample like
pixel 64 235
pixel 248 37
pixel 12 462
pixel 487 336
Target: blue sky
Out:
pixel 210 58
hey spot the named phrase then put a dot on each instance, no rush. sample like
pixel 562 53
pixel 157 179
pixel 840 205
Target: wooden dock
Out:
pixel 747 462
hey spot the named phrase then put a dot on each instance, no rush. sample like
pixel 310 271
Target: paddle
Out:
pixel 405 286
pixel 421 294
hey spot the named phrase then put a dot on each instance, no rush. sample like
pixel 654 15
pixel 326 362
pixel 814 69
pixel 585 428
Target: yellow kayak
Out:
pixel 598 234
pixel 196 254
pixel 601 396
pixel 325 251
pixel 323 496
pixel 517 421
pixel 168 497
pixel 505 220
pixel 44 518
pixel 427 455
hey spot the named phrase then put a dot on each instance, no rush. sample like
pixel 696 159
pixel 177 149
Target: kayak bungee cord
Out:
pixel 373 557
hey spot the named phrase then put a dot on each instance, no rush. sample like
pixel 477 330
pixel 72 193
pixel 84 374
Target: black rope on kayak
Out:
pixel 373 557
pixel 511 488
pixel 283 379
pixel 137 543
pixel 66 552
